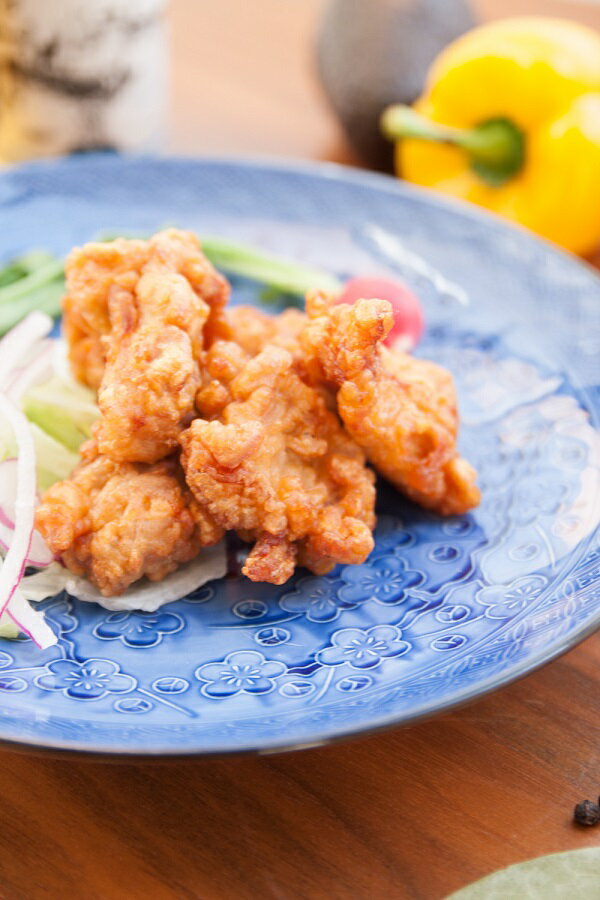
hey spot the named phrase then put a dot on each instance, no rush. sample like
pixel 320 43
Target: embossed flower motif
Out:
pixel 384 580
pixel 59 611
pixel 89 680
pixel 244 671
pixel 533 499
pixel 363 649
pixel 138 629
pixel 504 601
pixel 316 598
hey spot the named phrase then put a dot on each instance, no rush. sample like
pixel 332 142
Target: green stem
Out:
pixel 285 276
pixel 495 148
pixel 279 275
pixel 43 275
pixel 22 266
pixel 46 297
pixel 41 288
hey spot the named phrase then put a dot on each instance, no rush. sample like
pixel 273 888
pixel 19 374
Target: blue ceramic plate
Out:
pixel 445 609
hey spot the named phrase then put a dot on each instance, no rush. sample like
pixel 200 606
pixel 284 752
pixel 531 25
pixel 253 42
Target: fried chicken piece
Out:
pixel 275 465
pixel 151 375
pixel 400 410
pixel 92 272
pixel 96 270
pixel 149 306
pixel 117 522
pixel 252 328
pixel 222 362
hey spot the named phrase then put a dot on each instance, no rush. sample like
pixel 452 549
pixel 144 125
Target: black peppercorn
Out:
pixel 587 813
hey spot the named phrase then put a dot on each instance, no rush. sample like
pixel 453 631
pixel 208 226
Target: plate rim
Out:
pixel 333 171
pixel 330 736
pixel 329 171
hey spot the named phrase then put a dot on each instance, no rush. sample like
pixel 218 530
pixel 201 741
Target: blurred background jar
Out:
pixel 80 75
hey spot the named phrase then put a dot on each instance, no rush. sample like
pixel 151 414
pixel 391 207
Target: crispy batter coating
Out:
pixel 96 270
pixel 252 329
pixel 400 410
pixel 137 316
pixel 275 465
pixel 117 522
pixel 255 402
pixel 151 374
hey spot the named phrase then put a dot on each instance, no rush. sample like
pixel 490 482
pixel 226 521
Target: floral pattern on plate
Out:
pixel 443 609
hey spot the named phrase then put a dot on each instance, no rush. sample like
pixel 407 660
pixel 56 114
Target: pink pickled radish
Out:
pixel 409 323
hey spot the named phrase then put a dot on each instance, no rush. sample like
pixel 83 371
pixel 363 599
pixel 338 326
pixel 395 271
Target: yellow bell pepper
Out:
pixel 510 120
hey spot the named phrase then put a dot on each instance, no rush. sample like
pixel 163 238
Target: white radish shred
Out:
pixel 150 595
pixel 8 474
pixel 46 583
pixel 39 554
pixel 39 369
pixel 146 596
pixel 14 561
pixel 13 348
pixel 17 342
pixel 30 621
pixel 16 556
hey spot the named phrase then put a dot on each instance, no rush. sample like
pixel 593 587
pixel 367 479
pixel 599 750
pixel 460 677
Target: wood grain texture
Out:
pixel 408 814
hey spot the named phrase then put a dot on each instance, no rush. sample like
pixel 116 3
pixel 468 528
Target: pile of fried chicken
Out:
pixel 215 419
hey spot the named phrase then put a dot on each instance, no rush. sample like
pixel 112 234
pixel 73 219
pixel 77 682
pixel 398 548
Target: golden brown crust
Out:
pixel 95 270
pixel 118 522
pixel 253 329
pixel 151 375
pixel 400 410
pixel 138 315
pixel 277 466
pixel 275 416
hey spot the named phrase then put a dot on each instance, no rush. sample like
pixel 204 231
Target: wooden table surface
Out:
pixel 412 813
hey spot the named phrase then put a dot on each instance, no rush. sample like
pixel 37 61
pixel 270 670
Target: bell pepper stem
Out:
pixel 401 121
pixel 495 148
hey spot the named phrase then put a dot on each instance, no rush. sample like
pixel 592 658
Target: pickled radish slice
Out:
pixel 409 323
